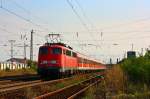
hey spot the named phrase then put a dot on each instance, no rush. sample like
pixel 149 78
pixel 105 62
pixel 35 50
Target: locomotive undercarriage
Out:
pixel 58 72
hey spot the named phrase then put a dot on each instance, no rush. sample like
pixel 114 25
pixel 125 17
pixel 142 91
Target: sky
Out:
pixel 106 28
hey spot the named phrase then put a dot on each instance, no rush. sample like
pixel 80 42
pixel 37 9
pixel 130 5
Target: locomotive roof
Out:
pixel 60 44
pixel 67 46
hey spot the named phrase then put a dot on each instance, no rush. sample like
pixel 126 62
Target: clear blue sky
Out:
pixel 122 21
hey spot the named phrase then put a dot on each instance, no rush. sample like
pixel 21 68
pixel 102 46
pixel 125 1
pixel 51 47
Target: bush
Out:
pixel 32 64
pixel 137 69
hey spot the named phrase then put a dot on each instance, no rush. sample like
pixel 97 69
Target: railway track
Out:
pixel 31 90
pixel 3 82
pixel 20 77
pixel 15 84
pixel 18 92
pixel 72 91
pixel 7 82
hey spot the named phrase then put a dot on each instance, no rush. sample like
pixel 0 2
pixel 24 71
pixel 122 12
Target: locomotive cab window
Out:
pixel 68 53
pixel 43 51
pixel 56 51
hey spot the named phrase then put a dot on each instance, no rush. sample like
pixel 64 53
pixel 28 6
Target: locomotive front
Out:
pixel 49 60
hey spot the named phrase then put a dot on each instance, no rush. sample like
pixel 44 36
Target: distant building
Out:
pixel 131 54
pixel 13 63
pixel 17 60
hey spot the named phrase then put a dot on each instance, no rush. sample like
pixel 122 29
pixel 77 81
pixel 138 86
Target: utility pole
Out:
pixel 25 51
pixel 132 46
pixel 31 46
pixel 11 42
pixel 24 38
pixel 110 61
pixel 117 60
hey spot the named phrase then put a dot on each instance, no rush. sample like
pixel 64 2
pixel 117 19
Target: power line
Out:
pixel 142 37
pixel 27 11
pixel 128 23
pixel 3 29
pixel 21 17
pixel 80 19
pixel 18 5
pixel 84 14
pixel 135 21
pixel 78 16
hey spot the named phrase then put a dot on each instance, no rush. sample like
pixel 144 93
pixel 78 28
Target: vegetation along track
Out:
pixel 30 91
pixel 71 91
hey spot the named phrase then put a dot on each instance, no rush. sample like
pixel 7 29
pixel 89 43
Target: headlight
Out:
pixel 44 62
pixel 47 62
pixel 53 61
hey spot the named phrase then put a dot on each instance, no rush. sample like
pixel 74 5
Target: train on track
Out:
pixel 59 59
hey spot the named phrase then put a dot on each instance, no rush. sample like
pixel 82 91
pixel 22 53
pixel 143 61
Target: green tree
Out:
pixel 138 69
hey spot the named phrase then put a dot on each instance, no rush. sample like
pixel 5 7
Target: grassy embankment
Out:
pixel 17 72
pixel 128 80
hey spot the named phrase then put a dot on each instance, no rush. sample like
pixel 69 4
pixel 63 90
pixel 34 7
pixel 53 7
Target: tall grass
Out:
pixel 115 80
pixel 17 72
pixel 117 86
pixel 114 83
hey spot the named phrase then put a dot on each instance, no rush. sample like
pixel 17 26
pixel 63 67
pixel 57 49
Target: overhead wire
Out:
pixel 78 16
pixel 134 33
pixel 32 15
pixel 76 13
pixel 3 29
pixel 85 15
pixel 18 5
pixel 27 11
pixel 21 17
pixel 91 23
pixel 82 21
pixel 17 15
pixel 140 20
pixel 36 17
pixel 126 24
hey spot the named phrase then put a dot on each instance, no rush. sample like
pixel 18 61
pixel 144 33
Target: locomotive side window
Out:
pixel 56 51
pixel 74 54
pixel 43 51
pixel 64 52
pixel 80 60
pixel 68 53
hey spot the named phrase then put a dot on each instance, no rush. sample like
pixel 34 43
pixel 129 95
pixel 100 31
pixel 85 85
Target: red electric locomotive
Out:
pixel 57 59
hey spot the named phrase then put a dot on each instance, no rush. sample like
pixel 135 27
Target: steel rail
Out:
pixel 70 90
